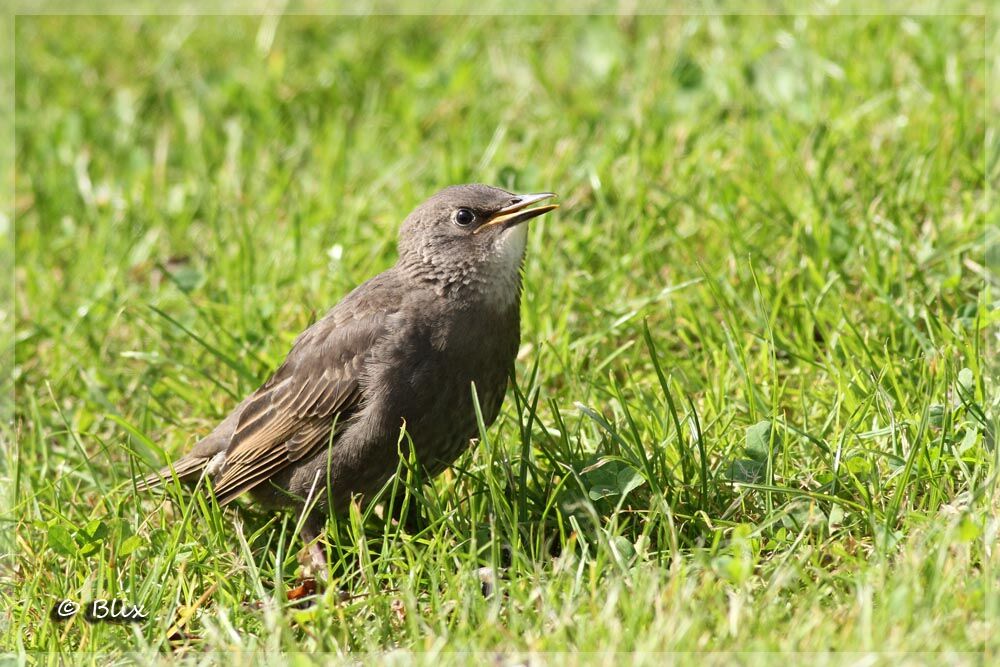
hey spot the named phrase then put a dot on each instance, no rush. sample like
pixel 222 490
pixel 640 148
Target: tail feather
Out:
pixel 188 466
pixel 207 456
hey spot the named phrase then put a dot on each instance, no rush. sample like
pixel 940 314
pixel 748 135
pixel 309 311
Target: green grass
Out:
pixel 755 409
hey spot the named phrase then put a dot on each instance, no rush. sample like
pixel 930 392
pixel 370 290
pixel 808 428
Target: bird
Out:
pixel 403 353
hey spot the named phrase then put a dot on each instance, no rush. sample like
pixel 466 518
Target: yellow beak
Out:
pixel 519 212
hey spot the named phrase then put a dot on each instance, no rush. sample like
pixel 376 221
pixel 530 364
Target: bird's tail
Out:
pixel 184 468
pixel 206 457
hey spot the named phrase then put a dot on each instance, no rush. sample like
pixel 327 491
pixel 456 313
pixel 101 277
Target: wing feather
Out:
pixel 303 406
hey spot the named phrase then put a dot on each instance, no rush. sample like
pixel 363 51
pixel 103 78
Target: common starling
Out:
pixel 401 351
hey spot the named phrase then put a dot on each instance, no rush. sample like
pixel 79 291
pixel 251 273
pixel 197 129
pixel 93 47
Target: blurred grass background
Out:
pixel 754 409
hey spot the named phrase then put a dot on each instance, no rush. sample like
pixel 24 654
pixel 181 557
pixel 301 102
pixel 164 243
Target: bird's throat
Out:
pixel 501 282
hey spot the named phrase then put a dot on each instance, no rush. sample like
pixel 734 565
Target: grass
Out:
pixel 754 410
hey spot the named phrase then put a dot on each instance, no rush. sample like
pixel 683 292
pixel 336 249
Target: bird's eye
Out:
pixel 464 217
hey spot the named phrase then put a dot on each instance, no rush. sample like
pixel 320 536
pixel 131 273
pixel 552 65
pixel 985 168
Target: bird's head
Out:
pixel 471 234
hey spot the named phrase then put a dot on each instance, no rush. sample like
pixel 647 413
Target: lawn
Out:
pixel 754 408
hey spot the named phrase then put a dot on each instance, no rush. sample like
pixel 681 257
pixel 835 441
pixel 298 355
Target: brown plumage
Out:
pixel 402 350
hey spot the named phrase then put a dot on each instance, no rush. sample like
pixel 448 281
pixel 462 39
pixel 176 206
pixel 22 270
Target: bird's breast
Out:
pixel 427 369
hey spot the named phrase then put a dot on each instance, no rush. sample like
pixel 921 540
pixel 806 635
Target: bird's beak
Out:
pixel 518 212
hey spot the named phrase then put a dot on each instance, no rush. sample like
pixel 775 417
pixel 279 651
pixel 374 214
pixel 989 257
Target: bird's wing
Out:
pixel 299 409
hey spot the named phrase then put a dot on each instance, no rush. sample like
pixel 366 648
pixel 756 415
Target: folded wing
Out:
pixel 302 407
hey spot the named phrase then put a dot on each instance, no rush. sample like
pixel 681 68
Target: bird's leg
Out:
pixel 315 567
pixel 314 557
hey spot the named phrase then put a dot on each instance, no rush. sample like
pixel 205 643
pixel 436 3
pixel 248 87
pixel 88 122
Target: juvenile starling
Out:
pixel 403 350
